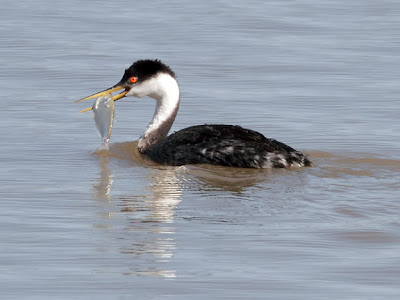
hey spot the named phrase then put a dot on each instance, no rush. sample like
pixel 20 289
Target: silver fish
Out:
pixel 103 109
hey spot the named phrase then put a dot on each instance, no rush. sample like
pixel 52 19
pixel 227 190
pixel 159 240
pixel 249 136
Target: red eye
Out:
pixel 133 79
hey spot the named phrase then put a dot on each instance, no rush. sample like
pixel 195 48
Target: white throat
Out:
pixel 165 90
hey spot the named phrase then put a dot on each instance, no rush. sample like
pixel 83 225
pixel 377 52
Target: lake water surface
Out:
pixel 321 76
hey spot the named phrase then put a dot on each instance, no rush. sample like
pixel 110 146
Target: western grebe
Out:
pixel 225 145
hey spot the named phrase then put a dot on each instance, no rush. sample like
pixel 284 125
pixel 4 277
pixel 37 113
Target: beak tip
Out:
pixel 85 110
pixel 107 91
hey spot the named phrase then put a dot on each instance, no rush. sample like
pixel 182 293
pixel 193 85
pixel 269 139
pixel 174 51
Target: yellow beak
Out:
pixel 103 93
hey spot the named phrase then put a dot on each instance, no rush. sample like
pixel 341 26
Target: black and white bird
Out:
pixel 225 145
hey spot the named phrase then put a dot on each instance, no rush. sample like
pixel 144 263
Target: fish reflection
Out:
pixel 102 185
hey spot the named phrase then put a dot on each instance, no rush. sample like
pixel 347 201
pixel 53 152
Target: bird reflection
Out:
pixel 148 212
pixel 148 233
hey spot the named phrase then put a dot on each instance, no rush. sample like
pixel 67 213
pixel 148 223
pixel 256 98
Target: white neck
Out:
pixel 165 90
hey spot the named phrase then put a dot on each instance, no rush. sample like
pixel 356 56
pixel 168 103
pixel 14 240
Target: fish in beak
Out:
pixel 103 109
pixel 105 93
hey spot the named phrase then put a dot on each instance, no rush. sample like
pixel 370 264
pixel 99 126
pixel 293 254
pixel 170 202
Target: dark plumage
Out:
pixel 144 69
pixel 225 145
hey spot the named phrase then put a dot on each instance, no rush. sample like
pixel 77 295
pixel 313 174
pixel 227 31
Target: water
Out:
pixel 319 76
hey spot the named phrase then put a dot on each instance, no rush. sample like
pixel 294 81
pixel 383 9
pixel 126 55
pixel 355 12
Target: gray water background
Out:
pixel 321 76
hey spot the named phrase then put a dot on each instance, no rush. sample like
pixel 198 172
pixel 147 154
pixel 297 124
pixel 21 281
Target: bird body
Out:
pixel 226 145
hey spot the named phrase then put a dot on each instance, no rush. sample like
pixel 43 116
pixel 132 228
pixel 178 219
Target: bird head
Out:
pixel 142 78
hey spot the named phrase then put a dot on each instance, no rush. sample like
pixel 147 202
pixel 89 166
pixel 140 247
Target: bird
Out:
pixel 215 144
